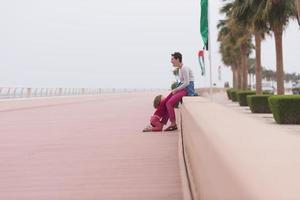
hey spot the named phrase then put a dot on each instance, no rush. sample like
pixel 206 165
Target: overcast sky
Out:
pixel 112 44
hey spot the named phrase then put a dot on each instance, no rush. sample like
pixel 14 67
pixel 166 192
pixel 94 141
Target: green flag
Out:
pixel 204 22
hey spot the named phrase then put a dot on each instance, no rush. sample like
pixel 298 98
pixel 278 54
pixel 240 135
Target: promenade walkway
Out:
pixel 86 148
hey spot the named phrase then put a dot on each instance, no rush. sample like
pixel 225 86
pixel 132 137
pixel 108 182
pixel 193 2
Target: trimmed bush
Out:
pixel 233 95
pixel 285 108
pixel 242 96
pixel 268 92
pixel 259 103
pixel 228 93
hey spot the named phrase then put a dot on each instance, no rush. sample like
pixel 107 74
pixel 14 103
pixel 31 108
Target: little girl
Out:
pixel 160 116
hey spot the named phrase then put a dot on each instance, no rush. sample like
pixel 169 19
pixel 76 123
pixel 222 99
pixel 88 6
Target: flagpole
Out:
pixel 209 55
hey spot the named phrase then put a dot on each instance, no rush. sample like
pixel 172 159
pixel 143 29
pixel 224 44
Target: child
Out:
pixel 160 116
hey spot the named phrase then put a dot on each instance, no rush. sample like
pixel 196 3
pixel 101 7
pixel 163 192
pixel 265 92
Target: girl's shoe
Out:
pixel 148 128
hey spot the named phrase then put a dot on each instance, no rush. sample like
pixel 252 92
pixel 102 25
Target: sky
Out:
pixel 114 44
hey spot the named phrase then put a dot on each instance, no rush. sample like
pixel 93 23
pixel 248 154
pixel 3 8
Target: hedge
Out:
pixel 268 92
pixel 285 108
pixel 242 96
pixel 233 95
pixel 259 103
pixel 228 92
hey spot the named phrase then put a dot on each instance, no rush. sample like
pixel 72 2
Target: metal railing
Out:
pixel 25 92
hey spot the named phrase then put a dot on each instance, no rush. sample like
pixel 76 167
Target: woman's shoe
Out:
pixel 171 128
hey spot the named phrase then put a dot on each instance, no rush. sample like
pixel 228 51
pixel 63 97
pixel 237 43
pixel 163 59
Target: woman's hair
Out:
pixel 157 101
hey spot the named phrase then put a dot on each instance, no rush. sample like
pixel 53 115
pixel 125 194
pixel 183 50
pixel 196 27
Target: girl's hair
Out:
pixel 157 101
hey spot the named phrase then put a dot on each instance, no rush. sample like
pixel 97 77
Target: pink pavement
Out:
pixel 85 148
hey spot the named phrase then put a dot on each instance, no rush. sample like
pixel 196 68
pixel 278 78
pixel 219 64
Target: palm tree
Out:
pixel 226 47
pixel 231 54
pixel 277 13
pixel 257 16
pixel 240 37
pixel 268 74
pixel 249 14
pixel 246 47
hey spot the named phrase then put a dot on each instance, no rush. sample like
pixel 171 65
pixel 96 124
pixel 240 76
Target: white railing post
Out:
pixel 14 93
pixel 35 92
pixel 28 92
pixel 8 91
pixel 22 92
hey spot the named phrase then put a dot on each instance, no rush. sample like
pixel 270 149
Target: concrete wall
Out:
pixel 233 157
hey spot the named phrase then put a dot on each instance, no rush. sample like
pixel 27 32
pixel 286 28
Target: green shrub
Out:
pixel 233 95
pixel 228 93
pixel 268 92
pixel 174 85
pixel 242 96
pixel 285 108
pixel 259 103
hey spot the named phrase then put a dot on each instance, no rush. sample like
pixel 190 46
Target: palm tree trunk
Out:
pixel 298 7
pixel 236 86
pixel 234 77
pixel 244 66
pixel 239 77
pixel 258 70
pixel 249 79
pixel 279 59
